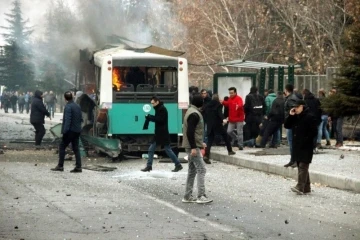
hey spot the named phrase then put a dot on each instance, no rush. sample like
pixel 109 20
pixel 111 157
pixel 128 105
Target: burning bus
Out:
pixel 126 77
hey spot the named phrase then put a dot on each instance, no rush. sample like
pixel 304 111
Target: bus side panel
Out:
pixel 129 118
pixel 183 84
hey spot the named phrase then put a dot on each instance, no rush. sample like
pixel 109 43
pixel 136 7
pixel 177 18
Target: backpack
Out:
pixel 257 107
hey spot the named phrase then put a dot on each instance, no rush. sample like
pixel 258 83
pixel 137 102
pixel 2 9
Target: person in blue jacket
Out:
pixel 71 128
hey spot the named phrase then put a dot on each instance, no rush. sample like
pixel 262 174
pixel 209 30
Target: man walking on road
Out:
pixel 236 117
pixel 162 136
pixel 37 115
pixel 71 128
pixel 50 103
pixel 193 131
pixel 304 129
pixel 21 102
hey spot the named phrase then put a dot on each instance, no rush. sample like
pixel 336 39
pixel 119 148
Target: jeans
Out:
pixel 303 177
pixel 322 129
pixel 168 151
pixel 14 107
pixel 289 139
pixel 51 109
pixel 27 107
pixel 196 169
pixel 239 130
pixel 276 138
pixel 211 138
pixel 73 138
pixel 205 140
pixel 338 129
pixel 271 129
pixel 39 133
pixel 21 107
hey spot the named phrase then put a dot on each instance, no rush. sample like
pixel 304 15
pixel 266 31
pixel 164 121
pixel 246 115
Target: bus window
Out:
pixel 127 79
pixel 163 79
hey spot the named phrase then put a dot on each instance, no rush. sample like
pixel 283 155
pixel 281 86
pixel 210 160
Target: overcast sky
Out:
pixel 34 10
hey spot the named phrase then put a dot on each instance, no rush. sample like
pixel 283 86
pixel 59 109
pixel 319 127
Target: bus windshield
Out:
pixel 144 79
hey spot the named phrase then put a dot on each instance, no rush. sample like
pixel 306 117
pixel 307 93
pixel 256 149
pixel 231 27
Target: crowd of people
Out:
pixel 20 102
pixel 260 120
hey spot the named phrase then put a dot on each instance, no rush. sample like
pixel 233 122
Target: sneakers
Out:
pixel 177 168
pixel 231 153
pixel 76 170
pixel 147 169
pixel 191 199
pixel 203 199
pixel 200 200
pixel 206 160
pixel 58 168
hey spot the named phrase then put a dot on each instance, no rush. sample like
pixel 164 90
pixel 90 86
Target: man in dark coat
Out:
pixel 5 101
pixel 254 112
pixel 290 99
pixel 304 130
pixel 71 128
pixel 13 100
pixel 314 105
pixel 215 119
pixel 162 136
pixel 21 103
pixel 206 99
pixel 37 115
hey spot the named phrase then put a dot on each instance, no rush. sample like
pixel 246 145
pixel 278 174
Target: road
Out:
pixel 36 203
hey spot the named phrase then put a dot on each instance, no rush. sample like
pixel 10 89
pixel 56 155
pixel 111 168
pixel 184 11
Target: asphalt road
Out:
pixel 36 203
pixel 129 204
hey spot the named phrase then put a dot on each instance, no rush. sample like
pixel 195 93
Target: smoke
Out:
pixel 62 27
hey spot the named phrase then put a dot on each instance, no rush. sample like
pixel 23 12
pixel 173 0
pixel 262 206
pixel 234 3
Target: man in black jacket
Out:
pixel 275 118
pixel 304 130
pixel 37 115
pixel 254 112
pixel 13 100
pixel 71 128
pixel 215 120
pixel 162 136
pixel 290 100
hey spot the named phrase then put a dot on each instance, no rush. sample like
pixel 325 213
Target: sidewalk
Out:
pixel 26 117
pixel 338 168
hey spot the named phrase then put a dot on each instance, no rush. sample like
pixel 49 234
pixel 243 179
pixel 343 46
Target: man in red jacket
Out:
pixel 236 117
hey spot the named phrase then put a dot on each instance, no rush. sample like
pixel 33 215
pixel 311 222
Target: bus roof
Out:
pixel 120 53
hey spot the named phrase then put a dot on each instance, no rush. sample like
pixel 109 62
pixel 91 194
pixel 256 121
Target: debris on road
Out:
pixel 99 168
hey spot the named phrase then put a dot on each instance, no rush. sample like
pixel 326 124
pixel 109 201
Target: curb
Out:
pixel 329 180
